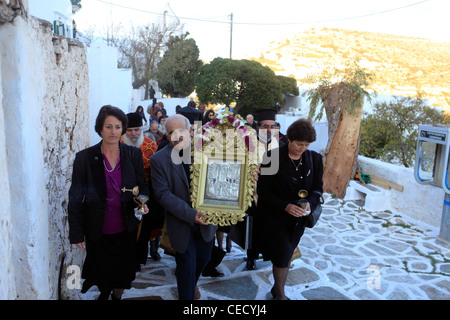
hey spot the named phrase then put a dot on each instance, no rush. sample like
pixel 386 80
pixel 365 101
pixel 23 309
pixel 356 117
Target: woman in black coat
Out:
pixel 101 206
pixel 283 220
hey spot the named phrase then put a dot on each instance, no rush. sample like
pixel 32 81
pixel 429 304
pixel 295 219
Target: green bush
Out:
pixel 390 132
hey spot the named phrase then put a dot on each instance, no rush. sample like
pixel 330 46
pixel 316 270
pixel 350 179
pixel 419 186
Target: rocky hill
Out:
pixel 401 65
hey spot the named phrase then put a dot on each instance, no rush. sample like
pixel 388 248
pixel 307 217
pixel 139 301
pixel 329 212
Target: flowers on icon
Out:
pixel 235 122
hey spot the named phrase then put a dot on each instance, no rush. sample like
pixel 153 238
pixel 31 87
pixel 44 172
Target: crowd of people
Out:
pixel 108 177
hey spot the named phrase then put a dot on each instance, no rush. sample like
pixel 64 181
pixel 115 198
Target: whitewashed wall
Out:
pixel 107 83
pixel 7 282
pixel 44 121
pixel 320 144
pixel 125 89
pixel 51 10
pixel 421 202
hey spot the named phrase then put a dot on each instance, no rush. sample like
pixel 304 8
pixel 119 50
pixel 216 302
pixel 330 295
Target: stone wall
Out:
pixel 44 121
pixel 9 9
pixel 66 131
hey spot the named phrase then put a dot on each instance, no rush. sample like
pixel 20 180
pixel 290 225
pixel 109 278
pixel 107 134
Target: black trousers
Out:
pixel 191 263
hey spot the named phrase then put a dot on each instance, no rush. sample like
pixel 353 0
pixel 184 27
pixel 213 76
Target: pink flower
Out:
pixel 242 130
pixel 231 120
pixel 215 122
pixel 235 122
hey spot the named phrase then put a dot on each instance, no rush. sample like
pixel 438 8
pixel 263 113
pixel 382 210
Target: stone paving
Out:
pixel 350 254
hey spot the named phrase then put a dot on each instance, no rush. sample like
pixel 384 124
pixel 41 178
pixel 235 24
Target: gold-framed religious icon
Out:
pixel 222 173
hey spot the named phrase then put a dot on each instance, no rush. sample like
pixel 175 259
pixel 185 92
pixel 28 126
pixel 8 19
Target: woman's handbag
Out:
pixel 314 216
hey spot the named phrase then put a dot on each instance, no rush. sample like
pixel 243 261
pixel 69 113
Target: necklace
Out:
pixel 296 166
pixel 106 168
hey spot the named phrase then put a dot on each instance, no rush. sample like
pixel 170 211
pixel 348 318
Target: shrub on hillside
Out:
pixel 390 132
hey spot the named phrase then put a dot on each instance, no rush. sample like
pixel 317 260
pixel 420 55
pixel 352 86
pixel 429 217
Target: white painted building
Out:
pixel 107 83
pixel 58 12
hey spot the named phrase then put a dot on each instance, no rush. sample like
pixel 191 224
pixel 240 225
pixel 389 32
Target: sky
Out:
pixel 257 23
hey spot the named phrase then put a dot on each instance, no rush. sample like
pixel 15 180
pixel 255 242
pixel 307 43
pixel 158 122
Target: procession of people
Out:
pixel 129 194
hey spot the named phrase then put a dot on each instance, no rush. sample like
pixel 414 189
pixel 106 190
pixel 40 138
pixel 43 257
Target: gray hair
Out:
pixel 177 116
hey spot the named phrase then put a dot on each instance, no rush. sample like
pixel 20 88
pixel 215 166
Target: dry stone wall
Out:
pixel 44 121
pixel 66 131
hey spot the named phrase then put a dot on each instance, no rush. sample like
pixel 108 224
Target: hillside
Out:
pixel 401 65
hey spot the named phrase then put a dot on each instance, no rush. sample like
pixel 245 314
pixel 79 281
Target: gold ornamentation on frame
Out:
pixel 222 175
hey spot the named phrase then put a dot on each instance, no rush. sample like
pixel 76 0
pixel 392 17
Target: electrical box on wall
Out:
pixel 432 166
pixel 432 156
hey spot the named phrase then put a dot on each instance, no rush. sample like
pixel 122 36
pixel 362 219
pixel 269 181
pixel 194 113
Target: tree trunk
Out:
pixel 147 88
pixel 341 154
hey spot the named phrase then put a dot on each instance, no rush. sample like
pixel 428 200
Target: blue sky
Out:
pixel 256 23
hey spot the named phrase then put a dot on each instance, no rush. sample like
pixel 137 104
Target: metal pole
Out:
pixel 231 34
pixel 444 234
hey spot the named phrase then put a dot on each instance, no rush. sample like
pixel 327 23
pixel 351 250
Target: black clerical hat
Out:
pixel 134 120
pixel 266 114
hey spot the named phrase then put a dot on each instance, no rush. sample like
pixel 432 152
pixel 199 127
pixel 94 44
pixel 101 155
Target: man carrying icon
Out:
pixel 190 236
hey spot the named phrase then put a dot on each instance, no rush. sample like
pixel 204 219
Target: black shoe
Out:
pixel 116 294
pixel 154 244
pixel 272 291
pixel 212 273
pixel 251 265
pixel 155 256
pixel 228 245
pixel 104 295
